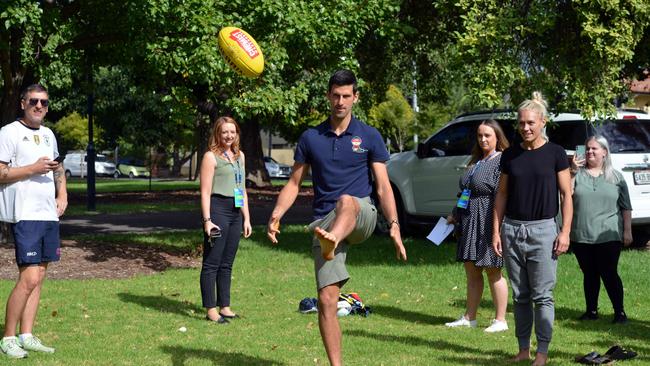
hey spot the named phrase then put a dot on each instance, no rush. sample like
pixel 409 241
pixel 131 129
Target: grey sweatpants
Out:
pixel 531 265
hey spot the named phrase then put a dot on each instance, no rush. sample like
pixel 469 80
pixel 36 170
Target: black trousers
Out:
pixel 600 261
pixel 219 256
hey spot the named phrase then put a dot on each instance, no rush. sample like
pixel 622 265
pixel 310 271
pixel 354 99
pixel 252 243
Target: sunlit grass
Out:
pixel 136 321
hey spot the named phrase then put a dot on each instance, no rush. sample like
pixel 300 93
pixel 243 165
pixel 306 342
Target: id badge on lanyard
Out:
pixel 463 200
pixel 238 192
pixel 239 197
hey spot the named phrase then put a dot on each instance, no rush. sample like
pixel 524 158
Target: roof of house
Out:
pixel 641 86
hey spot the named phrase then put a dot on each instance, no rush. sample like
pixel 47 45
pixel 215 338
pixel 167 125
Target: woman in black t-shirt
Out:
pixel 532 175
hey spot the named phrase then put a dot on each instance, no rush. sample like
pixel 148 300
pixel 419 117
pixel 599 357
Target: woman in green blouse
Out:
pixel 602 224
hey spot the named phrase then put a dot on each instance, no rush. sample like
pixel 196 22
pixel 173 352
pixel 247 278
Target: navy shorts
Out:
pixel 36 242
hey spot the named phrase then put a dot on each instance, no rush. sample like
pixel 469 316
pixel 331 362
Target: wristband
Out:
pixel 390 225
pixel 205 219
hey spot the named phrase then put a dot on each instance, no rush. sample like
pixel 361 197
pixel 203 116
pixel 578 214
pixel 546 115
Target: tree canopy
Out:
pixel 157 75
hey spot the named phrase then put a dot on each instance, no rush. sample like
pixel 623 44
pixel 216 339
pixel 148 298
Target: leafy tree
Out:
pixel 576 52
pixel 72 132
pixel 394 115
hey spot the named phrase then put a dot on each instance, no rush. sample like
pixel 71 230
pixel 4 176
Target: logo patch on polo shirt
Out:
pixel 47 140
pixel 37 139
pixel 25 138
pixel 356 145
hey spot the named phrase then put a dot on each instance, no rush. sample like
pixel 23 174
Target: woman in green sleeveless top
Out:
pixel 224 209
pixel 602 225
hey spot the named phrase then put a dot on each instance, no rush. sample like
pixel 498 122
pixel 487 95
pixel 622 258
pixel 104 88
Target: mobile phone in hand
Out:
pixel 580 152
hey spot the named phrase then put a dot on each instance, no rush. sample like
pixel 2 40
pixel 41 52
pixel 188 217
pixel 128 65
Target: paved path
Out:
pixel 160 221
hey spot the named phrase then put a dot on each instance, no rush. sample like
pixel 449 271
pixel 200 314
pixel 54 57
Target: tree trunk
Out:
pixel 203 127
pixel 251 145
pixel 178 161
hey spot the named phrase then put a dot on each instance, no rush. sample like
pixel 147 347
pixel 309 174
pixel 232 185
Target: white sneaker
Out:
pixel 11 348
pixel 462 322
pixel 497 326
pixel 34 344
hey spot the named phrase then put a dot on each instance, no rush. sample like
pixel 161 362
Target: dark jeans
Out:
pixel 219 257
pixel 600 261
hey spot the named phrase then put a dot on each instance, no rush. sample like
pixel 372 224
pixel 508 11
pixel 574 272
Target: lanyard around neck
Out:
pixel 471 173
pixel 237 170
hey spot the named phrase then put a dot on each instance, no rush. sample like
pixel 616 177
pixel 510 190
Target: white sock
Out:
pixel 8 338
pixel 24 336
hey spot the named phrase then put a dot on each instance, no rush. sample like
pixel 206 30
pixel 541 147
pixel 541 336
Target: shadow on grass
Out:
pixel 635 329
pixel 479 355
pixel 377 250
pixel 181 355
pixel 480 358
pixel 406 315
pixel 163 304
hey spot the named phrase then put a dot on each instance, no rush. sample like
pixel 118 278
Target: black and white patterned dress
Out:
pixel 475 222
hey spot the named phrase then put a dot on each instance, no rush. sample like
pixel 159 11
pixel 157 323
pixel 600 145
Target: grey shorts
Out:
pixel 334 271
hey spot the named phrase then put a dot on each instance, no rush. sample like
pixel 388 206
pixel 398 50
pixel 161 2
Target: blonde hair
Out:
pixel 536 104
pixel 215 145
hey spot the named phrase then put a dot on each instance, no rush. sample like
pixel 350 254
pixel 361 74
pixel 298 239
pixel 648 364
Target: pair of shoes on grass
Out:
pixel 13 347
pixel 495 325
pixel 619 318
pixel 615 353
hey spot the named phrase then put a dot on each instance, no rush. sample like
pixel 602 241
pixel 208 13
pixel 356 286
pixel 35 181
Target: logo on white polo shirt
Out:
pixel 32 254
pixel 37 139
pixel 356 145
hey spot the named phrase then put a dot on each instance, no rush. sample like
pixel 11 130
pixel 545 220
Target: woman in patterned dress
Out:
pixel 475 228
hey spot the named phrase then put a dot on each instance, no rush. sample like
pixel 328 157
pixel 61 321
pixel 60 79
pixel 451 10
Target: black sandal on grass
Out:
pixel 588 359
pixel 619 353
pixel 221 320
pixel 235 316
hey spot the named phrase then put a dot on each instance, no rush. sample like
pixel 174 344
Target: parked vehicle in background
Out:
pixel 425 180
pixel 75 165
pixel 132 168
pixel 275 169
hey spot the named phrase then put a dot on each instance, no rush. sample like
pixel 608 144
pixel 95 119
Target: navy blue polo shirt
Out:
pixel 340 164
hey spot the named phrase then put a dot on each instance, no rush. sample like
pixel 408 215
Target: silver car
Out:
pixel 275 169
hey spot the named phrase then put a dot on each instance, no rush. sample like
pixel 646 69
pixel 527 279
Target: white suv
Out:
pixel 76 166
pixel 425 181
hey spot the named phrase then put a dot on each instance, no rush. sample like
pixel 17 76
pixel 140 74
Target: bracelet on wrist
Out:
pixel 394 221
pixel 205 219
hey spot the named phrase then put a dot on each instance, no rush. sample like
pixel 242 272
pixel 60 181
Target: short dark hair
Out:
pixel 38 88
pixel 341 78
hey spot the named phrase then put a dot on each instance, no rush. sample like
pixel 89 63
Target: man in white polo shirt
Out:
pixel 28 153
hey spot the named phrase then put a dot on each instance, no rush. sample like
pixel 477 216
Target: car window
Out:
pixel 626 135
pixel 567 134
pixel 454 140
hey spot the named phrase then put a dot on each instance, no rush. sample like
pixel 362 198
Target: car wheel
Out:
pixel 68 174
pixel 116 174
pixel 131 176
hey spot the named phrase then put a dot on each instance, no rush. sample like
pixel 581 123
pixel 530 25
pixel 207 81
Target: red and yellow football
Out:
pixel 241 52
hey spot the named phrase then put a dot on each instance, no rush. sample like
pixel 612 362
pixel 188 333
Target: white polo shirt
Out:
pixel 20 146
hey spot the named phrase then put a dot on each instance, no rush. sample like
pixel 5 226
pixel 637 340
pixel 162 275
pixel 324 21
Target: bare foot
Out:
pixel 540 359
pixel 328 243
pixel 524 354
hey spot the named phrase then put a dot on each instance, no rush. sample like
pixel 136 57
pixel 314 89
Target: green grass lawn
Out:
pixel 108 185
pixel 128 208
pixel 136 321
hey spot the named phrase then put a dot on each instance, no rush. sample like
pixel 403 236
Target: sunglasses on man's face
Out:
pixel 34 101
